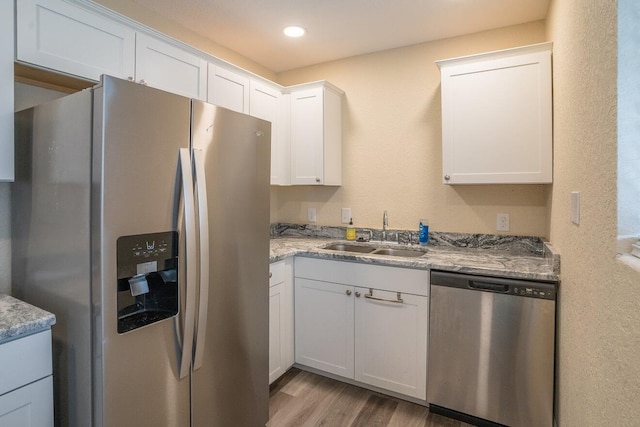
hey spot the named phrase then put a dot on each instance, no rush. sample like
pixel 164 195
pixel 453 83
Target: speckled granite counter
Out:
pixel 500 263
pixel 19 318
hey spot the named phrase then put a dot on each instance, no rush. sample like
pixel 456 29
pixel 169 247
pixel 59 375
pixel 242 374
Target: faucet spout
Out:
pixel 385 224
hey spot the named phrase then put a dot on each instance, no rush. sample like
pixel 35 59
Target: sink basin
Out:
pixel 364 249
pixel 399 252
pixel 350 248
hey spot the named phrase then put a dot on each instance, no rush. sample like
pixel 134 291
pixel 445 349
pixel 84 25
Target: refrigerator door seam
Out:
pixel 203 222
pixel 189 214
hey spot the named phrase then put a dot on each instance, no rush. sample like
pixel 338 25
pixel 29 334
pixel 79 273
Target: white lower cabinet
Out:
pixel 391 342
pixel 26 389
pixel 363 322
pixel 281 355
pixel 324 326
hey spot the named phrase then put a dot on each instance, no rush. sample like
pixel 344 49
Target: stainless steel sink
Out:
pixel 399 252
pixel 350 248
pixel 373 250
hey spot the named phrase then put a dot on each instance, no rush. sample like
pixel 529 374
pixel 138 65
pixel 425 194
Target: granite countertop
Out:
pixel 19 318
pixel 487 262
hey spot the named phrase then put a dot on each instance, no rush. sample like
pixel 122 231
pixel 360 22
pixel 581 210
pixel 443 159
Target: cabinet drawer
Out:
pixel 276 273
pixel 395 279
pixel 25 360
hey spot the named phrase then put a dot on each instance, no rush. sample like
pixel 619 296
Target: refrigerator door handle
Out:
pixel 203 217
pixel 190 288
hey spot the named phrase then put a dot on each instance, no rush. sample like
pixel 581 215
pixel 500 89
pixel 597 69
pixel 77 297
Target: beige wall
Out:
pixel 392 155
pixel 599 315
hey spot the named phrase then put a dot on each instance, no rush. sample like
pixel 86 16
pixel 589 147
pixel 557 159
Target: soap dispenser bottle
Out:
pixel 351 230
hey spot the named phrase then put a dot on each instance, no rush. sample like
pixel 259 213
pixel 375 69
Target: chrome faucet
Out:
pixel 385 223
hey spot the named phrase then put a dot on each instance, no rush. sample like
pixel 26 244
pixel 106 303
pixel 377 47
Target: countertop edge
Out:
pixel 18 318
pixel 544 268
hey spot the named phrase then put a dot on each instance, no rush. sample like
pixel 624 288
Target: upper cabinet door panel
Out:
pixel 167 67
pixel 497 117
pixel 227 89
pixel 307 136
pixel 265 102
pixel 57 35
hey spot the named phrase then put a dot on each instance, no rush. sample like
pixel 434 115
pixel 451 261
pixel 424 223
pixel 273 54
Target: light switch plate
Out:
pixel 575 207
pixel 345 215
pixel 311 214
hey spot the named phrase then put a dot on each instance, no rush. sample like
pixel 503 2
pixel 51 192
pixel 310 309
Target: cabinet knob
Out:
pixel 447 177
pixel 318 179
pixel 270 275
pixel 143 82
pixel 131 79
pixel 348 292
pixel 358 294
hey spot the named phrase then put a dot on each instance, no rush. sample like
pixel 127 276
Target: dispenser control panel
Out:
pixel 147 271
pixel 145 253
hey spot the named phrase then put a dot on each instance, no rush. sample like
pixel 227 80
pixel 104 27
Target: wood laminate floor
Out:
pixel 301 398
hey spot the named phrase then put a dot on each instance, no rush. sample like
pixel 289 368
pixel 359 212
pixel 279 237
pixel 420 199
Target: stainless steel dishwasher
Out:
pixel 491 349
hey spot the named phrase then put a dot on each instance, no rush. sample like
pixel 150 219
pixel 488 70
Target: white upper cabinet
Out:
pixel 316 134
pixel 165 66
pixel 268 103
pixel 227 89
pixel 62 37
pixel 84 39
pixel 6 89
pixel 497 117
pixel 81 41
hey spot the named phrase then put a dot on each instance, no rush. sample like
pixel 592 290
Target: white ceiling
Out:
pixel 338 28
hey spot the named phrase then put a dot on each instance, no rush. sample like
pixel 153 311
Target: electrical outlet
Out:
pixel 502 223
pixel 311 214
pixel 345 215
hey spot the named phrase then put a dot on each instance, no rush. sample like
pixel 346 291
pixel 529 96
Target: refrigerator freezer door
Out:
pixel 138 132
pixel 232 387
pixel 51 237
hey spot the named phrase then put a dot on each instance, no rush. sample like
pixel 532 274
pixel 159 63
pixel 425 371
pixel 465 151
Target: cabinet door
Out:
pixel 227 89
pixel 167 67
pixel 28 406
pixel 324 326
pixel 497 118
pixel 6 89
pixel 276 340
pixel 57 35
pixel 391 341
pixel 265 102
pixel 307 135
pixel 278 301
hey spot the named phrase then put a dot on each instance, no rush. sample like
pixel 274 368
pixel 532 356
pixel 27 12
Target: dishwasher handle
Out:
pixel 486 286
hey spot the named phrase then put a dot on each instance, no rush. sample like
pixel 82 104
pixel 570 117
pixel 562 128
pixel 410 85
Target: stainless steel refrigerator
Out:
pixel 141 219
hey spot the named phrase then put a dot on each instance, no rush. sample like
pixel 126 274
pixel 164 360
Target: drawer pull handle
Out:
pixel 398 299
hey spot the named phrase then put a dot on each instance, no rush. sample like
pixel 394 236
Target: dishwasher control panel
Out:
pixel 516 287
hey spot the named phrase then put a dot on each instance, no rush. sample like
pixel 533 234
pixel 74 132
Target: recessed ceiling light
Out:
pixel 294 31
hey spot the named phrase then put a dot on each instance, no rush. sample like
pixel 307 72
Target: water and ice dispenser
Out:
pixel 147 279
